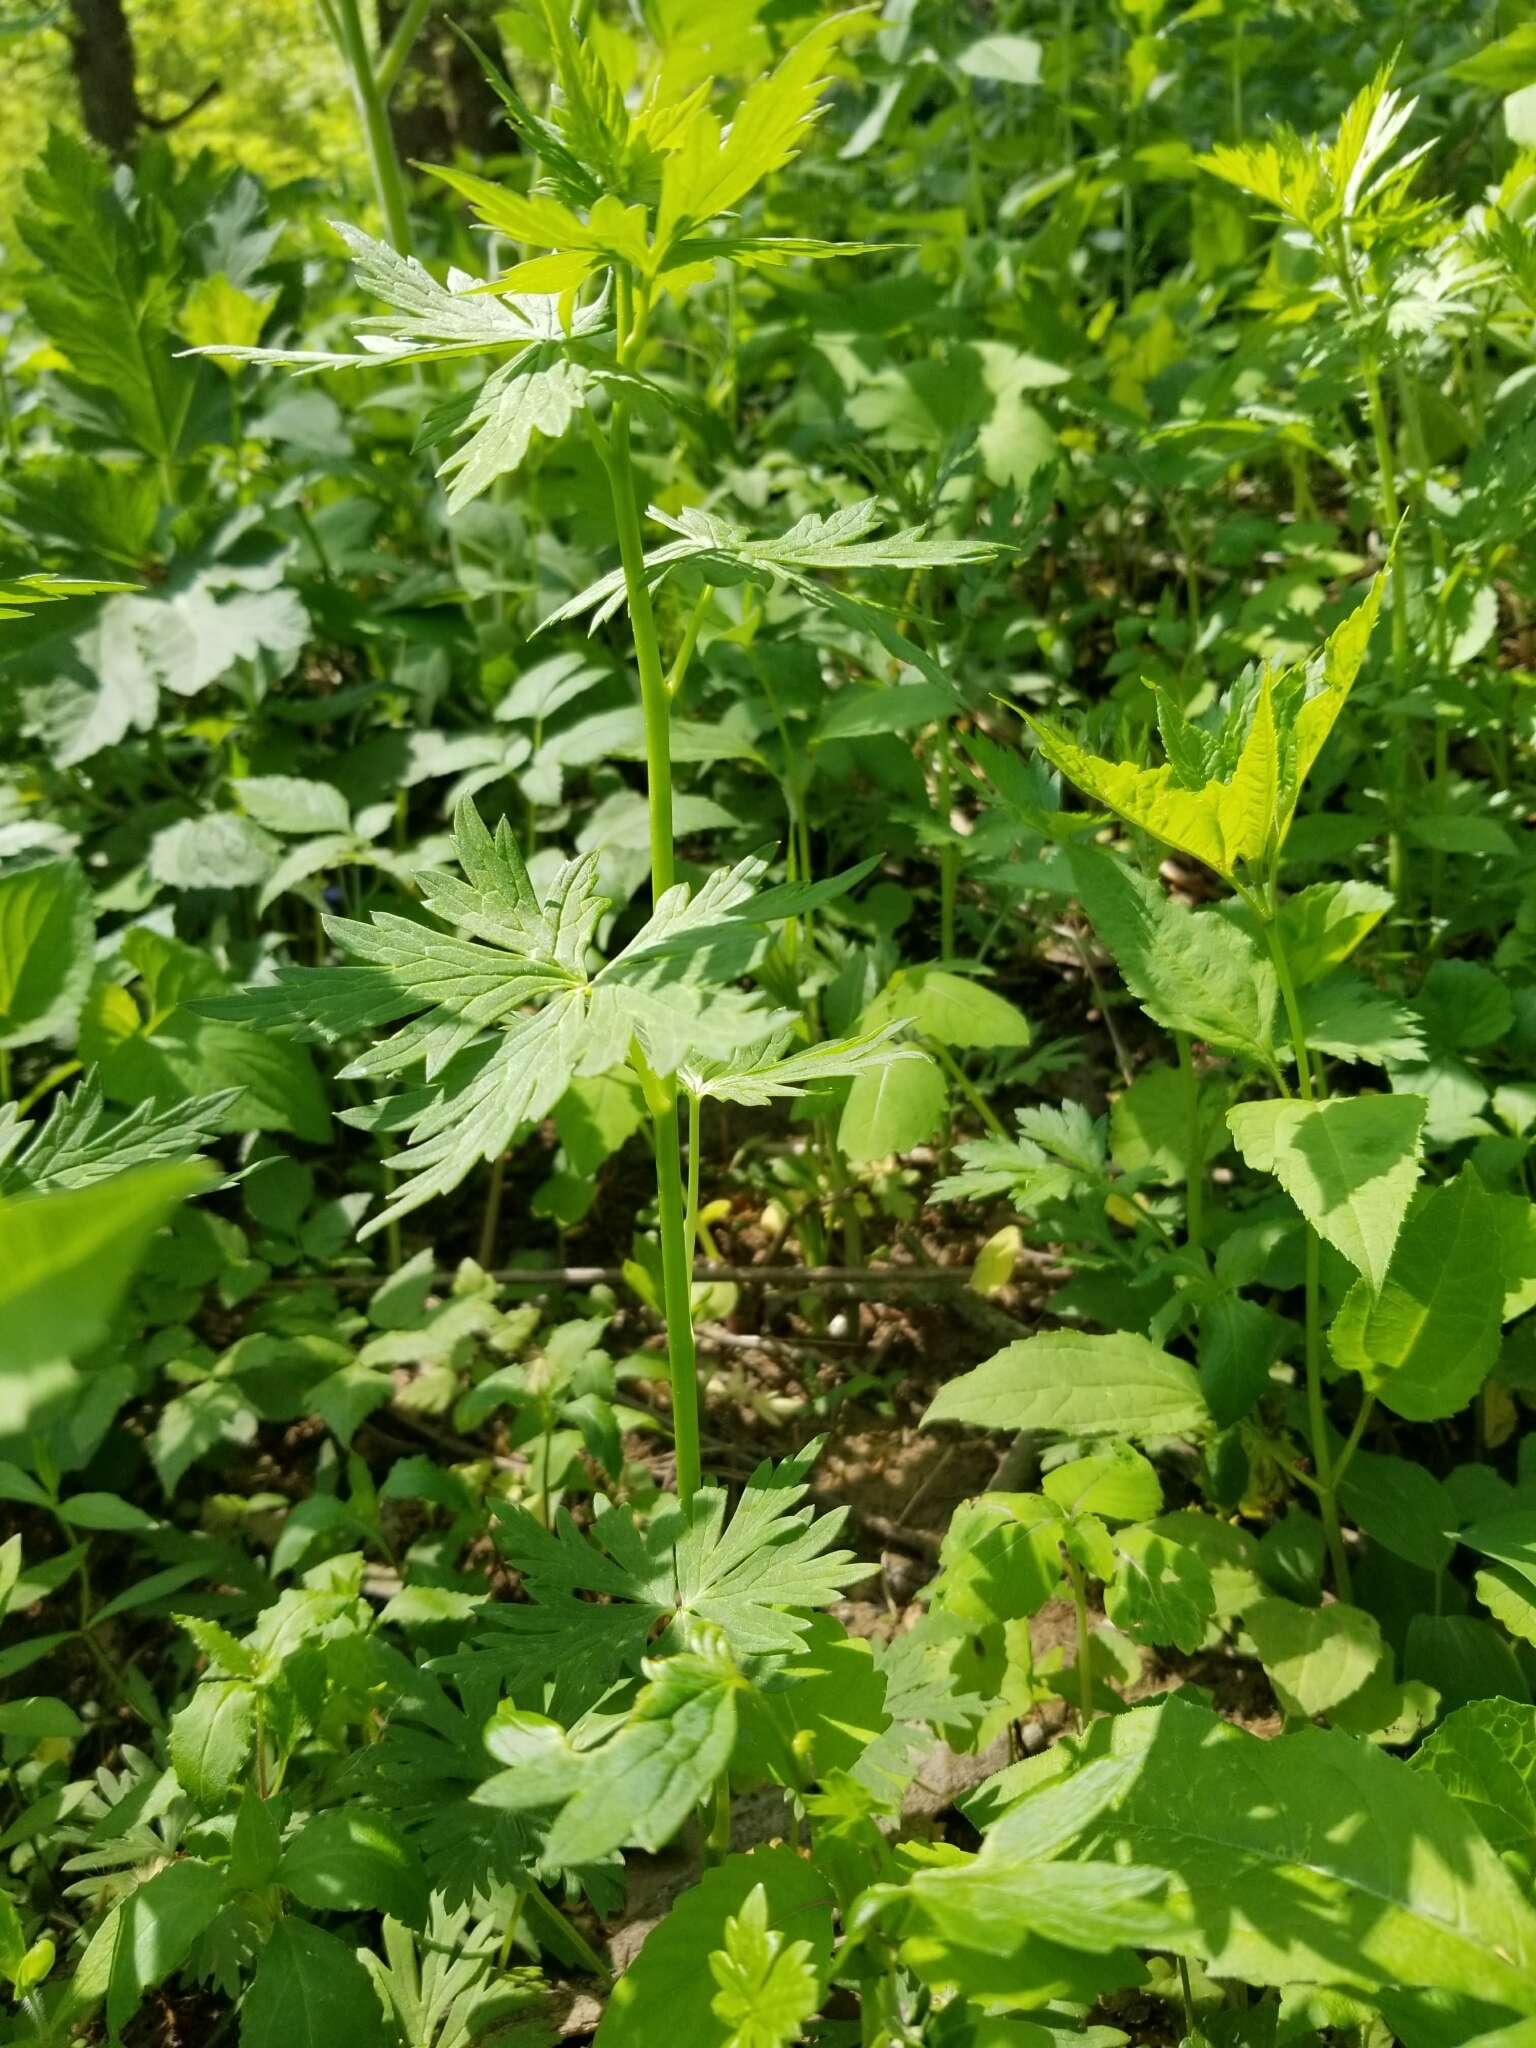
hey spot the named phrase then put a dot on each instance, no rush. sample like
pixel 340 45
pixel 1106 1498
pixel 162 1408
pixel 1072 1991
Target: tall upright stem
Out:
pixel 949 852
pixel 661 1091
pixel 1079 1584
pixel 1389 505
pixel 654 701
pixel 1317 1419
pixel 1194 1145
pixel 345 21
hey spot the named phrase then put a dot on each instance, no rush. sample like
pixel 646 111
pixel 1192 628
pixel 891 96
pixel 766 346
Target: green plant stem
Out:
pixel 691 1208
pixel 843 1193
pixel 1352 1441
pixel 546 1505
pixel 54 1078
pixel 345 21
pixel 537 1908
pixel 1389 506
pixel 1079 1585
pixel 1194 1146
pixel 386 73
pixel 717 1842
pixel 949 853
pixel 968 1088
pixel 1391 512
pixel 654 701
pixel 677 673
pixel 1418 448
pixel 676 1249
pixel 1186 1997
pixel 1317 1420
pixel 490 1216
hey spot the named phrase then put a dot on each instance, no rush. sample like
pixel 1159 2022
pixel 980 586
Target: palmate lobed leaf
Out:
pixel 768 1072
pixel 1235 820
pixel 20 595
pixel 639 1784
pixel 754 1575
pixel 539 389
pixel 768 1986
pixel 1228 824
pixel 1319 185
pixel 835 541
pixel 515 403
pixel 500 1022
pixel 651 176
pixel 666 1995
pixel 428 320
pixel 77 1145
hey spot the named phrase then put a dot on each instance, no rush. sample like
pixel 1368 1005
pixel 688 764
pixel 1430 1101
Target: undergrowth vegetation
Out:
pixel 768 1049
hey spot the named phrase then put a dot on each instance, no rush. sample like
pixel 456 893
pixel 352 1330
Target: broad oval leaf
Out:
pixel 1308 1859
pixel 310 1991
pixel 46 929
pixel 1071 1383
pixel 1349 1164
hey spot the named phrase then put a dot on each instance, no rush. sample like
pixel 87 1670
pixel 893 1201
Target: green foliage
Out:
pixel 1269 1885
pixel 678 844
pixel 1076 1385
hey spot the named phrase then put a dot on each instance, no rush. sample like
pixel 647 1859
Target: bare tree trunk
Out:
pixel 101 57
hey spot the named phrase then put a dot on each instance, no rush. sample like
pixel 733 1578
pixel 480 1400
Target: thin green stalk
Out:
pixel 1079 1585
pixel 537 1908
pixel 54 1078
pixel 1317 1420
pixel 975 183
pixel 345 21
pixel 1352 1441
pixel 808 922
pixel 655 704
pixel 8 414
pixel 386 73
pixel 949 852
pixel 490 1216
pixel 1193 660
pixel 677 1297
pixel 968 1089
pixel 1194 1146
pixel 676 1245
pixel 1128 126
pixel 717 1842
pixel 844 1197
pixel 1389 506
pixel 677 673
pixel 691 1210
pixel 1418 448
pixel 1187 1998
